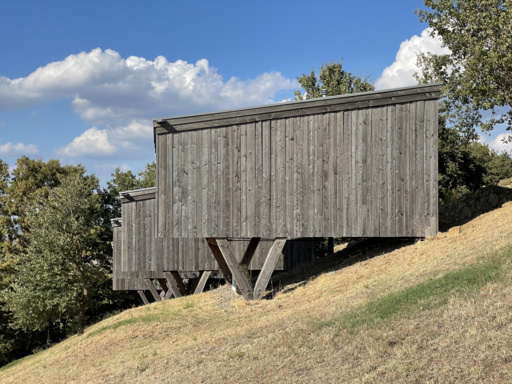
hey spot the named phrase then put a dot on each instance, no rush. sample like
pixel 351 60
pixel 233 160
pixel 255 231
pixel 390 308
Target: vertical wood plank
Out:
pixel 289 174
pixel 273 176
pixel 310 219
pixel 318 159
pixel 326 137
pixel 213 203
pixel 422 173
pixel 375 149
pixel 228 180
pixel 361 172
pixel 391 169
pixel 305 177
pixel 281 178
pixel 236 207
pixel 424 122
pixel 355 175
pixel 184 172
pixel 400 167
pixel 162 179
pixel 298 135
pixel 243 181
pixel 221 181
pixel 266 180
pixel 339 175
pixel 407 168
pixel 206 177
pixel 251 179
pixel 383 171
pixel 177 185
pixel 434 166
pixel 347 173
pixel 258 170
pixel 192 187
pixel 167 184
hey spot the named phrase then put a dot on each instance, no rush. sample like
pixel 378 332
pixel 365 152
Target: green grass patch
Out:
pixel 16 362
pixel 148 318
pixel 427 295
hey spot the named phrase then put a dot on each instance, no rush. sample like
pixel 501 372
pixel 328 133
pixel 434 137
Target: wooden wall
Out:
pixel 138 254
pixel 359 172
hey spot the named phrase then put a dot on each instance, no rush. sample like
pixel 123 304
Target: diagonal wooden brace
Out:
pixel 242 281
pixel 152 289
pixel 165 289
pixel 143 297
pixel 249 252
pixel 217 254
pixel 268 268
pixel 201 282
pixel 175 284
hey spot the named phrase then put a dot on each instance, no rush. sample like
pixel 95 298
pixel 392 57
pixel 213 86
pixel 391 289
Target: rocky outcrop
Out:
pixel 474 204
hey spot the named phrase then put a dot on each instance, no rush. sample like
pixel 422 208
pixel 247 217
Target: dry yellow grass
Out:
pixel 196 340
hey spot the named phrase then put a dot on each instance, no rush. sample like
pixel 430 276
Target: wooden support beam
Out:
pixel 176 288
pixel 201 282
pixel 165 289
pixel 212 242
pixel 143 297
pixel 179 281
pixel 249 252
pixel 242 282
pixel 268 268
pixel 152 289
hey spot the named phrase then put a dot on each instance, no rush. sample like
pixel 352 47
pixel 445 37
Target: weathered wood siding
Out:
pixel 359 166
pixel 138 254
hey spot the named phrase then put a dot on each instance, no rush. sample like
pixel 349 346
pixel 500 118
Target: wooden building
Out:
pixel 357 165
pixel 141 259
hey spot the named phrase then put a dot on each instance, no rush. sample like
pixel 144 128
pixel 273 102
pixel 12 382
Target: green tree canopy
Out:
pixel 66 262
pixel 477 74
pixel 335 80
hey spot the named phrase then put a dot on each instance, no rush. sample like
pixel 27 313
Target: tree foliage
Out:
pixel 477 74
pixel 66 262
pixel 335 80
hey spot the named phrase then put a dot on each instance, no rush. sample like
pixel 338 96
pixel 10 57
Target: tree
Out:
pixel 66 262
pixel 477 74
pixel 335 80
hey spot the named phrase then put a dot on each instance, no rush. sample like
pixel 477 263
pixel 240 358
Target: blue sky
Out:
pixel 81 81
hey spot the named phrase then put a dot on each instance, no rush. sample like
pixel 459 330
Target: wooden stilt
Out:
pixel 165 289
pixel 220 259
pixel 175 288
pixel 152 289
pixel 143 297
pixel 242 282
pixel 268 268
pixel 201 282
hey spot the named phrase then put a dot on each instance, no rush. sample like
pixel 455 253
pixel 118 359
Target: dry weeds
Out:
pixel 214 338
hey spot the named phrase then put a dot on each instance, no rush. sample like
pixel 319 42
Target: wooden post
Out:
pixel 152 289
pixel 174 287
pixel 201 282
pixel 268 268
pixel 238 274
pixel 220 259
pixel 165 289
pixel 143 297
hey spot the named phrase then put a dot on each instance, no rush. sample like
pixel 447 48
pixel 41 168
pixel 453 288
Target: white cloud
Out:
pixel 19 149
pixel 109 90
pixel 110 168
pixel 499 145
pixel 131 139
pixel 400 73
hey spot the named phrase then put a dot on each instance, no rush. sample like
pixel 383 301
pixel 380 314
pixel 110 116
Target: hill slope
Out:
pixel 434 311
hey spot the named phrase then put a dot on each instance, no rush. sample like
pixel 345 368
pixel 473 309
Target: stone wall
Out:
pixel 474 203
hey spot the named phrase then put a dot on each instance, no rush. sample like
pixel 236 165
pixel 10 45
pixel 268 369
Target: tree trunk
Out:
pixel 81 319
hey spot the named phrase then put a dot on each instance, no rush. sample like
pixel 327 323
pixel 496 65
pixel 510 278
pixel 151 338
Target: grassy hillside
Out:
pixel 439 310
